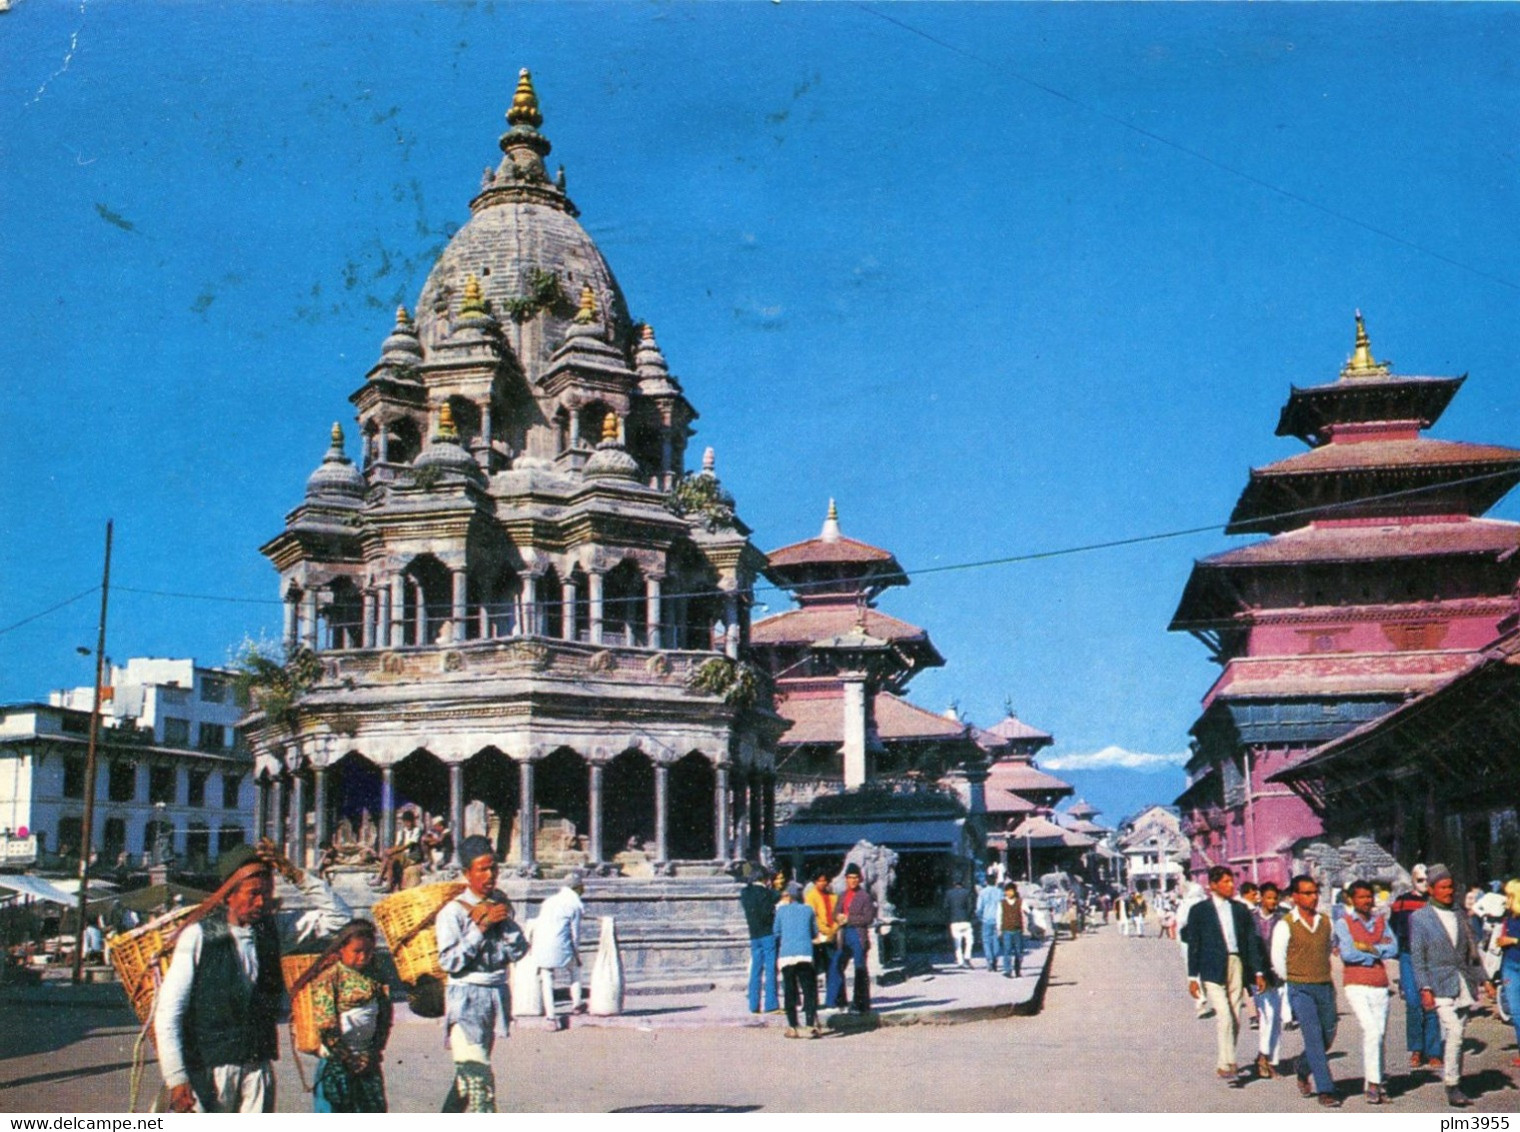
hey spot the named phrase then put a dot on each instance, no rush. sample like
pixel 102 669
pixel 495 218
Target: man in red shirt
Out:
pixel 856 913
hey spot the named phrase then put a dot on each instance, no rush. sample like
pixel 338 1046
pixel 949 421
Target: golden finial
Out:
pixel 1362 363
pixel 403 319
pixel 648 333
pixel 587 312
pixel 609 427
pixel 474 305
pixel 337 435
pixel 524 103
pixel 446 428
pixel 833 514
pixel 830 532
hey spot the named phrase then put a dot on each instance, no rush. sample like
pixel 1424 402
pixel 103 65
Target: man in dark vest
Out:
pixel 1301 944
pixel 218 1010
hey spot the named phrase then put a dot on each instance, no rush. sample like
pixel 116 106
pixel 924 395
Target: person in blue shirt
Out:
pixel 988 897
pixel 1364 940
pixel 1508 942
pixel 795 930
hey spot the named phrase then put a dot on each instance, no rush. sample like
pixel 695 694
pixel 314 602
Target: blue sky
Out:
pixel 1001 279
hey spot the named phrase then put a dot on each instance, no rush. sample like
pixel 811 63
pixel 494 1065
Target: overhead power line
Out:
pixel 1197 155
pixel 50 609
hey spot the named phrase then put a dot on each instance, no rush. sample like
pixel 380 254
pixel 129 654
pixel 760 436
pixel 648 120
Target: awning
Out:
pixel 35 887
pixel 942 836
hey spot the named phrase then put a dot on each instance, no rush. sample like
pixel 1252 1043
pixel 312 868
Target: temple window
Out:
pixel 551 618
pixel 427 600
pixel 343 615
pixel 591 417
pixel 624 605
pixel 580 615
pixel 466 418
pixel 403 440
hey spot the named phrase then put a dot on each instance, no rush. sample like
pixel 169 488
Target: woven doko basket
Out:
pixel 406 918
pixel 143 952
pixel 303 1022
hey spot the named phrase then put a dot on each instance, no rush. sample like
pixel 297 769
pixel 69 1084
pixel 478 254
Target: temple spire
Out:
pixel 1362 363
pixel 830 532
pixel 524 111
pixel 337 436
pixel 586 314
pixel 610 428
pixel 446 428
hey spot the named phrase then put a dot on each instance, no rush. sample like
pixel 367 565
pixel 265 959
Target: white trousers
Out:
pixel 1269 1014
pixel 1370 1005
pixel 961 936
pixel 1453 1020
pixel 1227 998
pixel 546 980
pixel 234 1088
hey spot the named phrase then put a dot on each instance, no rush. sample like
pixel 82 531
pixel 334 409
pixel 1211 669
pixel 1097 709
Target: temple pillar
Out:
pixel 731 622
pixel 661 812
pixel 309 619
pixel 575 430
pixel 277 825
pixel 567 616
pixel 367 621
pixel 485 434
pixel 319 810
pixel 460 595
pixel 652 612
pixel 384 449
pixel 720 811
pixel 290 633
pixel 594 600
pixel 260 809
pixel 382 616
pixel 456 809
pixel 527 624
pixel 420 628
pixel 594 848
pixel 398 611
pixel 854 732
pixel 527 816
pixel 667 454
pixel 756 822
pixel 387 807
pixel 483 613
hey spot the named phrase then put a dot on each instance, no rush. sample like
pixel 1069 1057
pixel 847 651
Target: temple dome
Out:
pixel 336 476
pixel 521 232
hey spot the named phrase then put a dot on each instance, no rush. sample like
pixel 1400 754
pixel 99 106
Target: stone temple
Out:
pixel 518 611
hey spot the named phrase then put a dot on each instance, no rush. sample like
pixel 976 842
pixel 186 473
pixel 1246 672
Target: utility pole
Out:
pixel 87 833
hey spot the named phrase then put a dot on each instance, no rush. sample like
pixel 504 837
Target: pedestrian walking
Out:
pixel 1011 931
pixel 477 939
pixel 1507 940
pixel 1222 957
pixel 987 900
pixel 958 908
pixel 1301 944
pixel 795 929
pixel 557 945
pixel 1363 940
pixel 1422 1029
pixel 1448 971
pixel 759 900
pixel 1269 1001
pixel 217 1018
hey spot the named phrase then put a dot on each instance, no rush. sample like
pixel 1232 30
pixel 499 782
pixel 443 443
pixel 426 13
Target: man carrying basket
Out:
pixel 477 939
pixel 217 1018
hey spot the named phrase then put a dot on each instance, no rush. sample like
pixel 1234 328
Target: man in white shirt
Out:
pixel 557 941
pixel 1301 946
pixel 216 1023
pixel 1222 954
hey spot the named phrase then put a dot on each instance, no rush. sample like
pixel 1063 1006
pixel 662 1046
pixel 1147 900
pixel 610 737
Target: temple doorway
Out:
pixel 491 779
pixel 692 783
pixel 628 801
pixel 562 786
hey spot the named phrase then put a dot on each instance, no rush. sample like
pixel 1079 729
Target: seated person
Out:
pixel 439 843
pixel 406 851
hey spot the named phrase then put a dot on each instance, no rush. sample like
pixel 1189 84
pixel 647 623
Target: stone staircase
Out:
pixel 673 932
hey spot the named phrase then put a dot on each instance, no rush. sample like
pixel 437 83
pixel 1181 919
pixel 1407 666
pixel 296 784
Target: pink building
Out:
pixel 1379 582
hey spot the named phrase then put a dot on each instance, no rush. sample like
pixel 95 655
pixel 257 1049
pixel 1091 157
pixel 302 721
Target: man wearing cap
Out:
pixel 1422 1029
pixel 855 914
pixel 1448 971
pixel 477 939
pixel 556 944
pixel 217 1020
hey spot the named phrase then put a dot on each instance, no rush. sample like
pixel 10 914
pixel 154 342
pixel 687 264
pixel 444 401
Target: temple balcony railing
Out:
pixel 513 656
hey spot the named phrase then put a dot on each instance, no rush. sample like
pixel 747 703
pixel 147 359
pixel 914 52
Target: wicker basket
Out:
pixel 406 918
pixel 136 954
pixel 303 1022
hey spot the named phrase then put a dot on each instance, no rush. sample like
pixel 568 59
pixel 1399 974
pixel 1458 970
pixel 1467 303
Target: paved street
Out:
pixel 1117 1033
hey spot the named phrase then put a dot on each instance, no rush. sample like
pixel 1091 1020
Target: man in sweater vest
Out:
pixel 1301 957
pixel 1364 941
pixel 217 1020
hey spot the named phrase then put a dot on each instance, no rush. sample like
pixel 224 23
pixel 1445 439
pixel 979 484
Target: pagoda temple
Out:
pixel 1379 581
pixel 518 612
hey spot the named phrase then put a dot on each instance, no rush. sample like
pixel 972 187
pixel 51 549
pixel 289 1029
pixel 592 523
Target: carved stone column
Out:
pixel 652 612
pixel 752 789
pixel 661 813
pixel 594 599
pixel 567 614
pixel 720 811
pixel 420 629
pixel 528 623
pixel 398 611
pixel 460 595
pixel 260 809
pixel 387 807
pixel 319 808
pixel 527 815
pixel 309 619
pixel 456 808
pixel 731 621
pixel 367 624
pixel 595 834
pixel 291 633
pixel 277 823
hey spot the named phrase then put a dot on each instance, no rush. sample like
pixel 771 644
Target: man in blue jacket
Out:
pixel 758 899
pixel 988 897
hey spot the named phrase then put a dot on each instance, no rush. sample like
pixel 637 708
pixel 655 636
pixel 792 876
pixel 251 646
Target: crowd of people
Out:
pixel 1276 947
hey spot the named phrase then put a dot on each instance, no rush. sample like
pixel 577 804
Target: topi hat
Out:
pixel 852 870
pixel 241 859
pixel 1435 873
pixel 473 848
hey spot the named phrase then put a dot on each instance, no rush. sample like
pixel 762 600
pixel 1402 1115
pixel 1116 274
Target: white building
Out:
pixel 168 753
pixel 1155 849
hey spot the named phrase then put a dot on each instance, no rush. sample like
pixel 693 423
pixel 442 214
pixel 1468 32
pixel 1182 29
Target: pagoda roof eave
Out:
pixel 1310 409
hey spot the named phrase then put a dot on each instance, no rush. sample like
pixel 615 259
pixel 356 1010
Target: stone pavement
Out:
pixel 1117 1033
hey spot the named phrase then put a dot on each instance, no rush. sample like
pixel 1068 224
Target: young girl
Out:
pixel 352 1008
